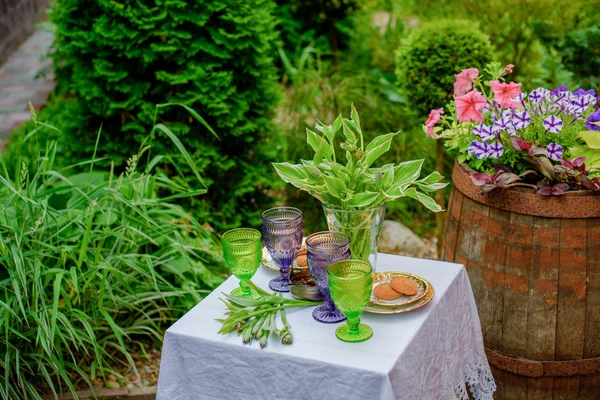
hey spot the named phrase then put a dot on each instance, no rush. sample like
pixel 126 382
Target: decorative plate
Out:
pixel 385 277
pixel 377 309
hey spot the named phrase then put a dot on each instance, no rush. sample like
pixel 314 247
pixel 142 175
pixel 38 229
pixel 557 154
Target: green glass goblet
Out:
pixel 350 285
pixel 242 249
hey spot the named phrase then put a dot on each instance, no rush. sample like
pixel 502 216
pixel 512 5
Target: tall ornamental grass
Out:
pixel 90 265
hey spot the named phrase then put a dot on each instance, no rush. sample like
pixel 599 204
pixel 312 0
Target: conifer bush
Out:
pixel 119 59
pixel 429 58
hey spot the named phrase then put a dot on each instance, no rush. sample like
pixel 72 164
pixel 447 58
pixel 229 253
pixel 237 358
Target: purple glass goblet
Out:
pixel 325 248
pixel 282 233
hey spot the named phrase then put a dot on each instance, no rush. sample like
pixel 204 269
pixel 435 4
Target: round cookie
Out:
pixel 384 291
pixel 302 261
pixel 404 285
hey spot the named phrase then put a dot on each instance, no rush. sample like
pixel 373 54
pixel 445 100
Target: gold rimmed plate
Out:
pixel 378 309
pixel 385 277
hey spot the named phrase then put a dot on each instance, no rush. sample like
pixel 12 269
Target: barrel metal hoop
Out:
pixel 536 369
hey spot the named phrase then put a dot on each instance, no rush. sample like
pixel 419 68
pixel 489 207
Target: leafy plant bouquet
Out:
pixel 548 140
pixel 357 186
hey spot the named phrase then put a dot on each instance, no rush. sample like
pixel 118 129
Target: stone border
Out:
pixel 144 393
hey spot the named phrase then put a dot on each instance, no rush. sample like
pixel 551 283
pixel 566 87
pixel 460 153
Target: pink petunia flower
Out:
pixel 464 81
pixel 469 106
pixel 505 92
pixel 434 118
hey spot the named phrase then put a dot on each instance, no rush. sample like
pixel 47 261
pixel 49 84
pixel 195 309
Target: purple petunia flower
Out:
pixel 581 103
pixel 505 124
pixel 477 129
pixel 521 120
pixel 581 92
pixel 489 132
pixel 592 121
pixel 553 124
pixel 538 95
pixel 495 150
pixel 479 149
pixel 555 151
pixel 559 89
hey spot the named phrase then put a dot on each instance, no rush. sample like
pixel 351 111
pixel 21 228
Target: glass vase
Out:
pixel 362 227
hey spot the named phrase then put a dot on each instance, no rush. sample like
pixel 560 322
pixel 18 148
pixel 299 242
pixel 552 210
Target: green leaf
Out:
pixel 434 177
pixel 423 199
pixel 591 138
pixel 377 147
pixel 290 173
pixel 194 114
pixel 348 133
pixel 335 127
pixel 335 186
pixel 320 146
pixel 360 200
pixel 354 116
pixel 405 173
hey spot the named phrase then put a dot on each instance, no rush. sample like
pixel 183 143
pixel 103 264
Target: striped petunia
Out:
pixel 495 150
pixel 489 132
pixel 538 95
pixel 521 120
pixel 553 124
pixel 555 151
pixel 479 149
pixel 505 124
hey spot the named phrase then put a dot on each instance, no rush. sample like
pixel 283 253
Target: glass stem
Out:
pixel 328 302
pixel 247 292
pixel 353 323
pixel 285 273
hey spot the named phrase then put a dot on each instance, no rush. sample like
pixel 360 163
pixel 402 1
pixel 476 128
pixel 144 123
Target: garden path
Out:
pixel 26 76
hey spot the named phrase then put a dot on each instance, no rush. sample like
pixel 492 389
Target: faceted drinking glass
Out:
pixel 282 231
pixel 242 250
pixel 325 248
pixel 350 284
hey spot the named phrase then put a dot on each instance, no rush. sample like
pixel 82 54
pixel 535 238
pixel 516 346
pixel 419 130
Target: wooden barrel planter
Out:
pixel 534 265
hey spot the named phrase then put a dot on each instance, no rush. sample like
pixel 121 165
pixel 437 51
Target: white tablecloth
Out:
pixel 425 354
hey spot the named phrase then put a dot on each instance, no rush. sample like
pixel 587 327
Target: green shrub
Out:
pixel 90 264
pixel 428 60
pixel 120 58
pixel 580 53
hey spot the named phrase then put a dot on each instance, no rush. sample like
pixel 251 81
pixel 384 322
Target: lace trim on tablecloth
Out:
pixel 479 377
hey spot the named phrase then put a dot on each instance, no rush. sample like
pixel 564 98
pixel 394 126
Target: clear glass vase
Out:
pixel 362 227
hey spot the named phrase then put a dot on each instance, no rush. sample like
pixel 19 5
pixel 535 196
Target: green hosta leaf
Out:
pixel 432 187
pixel 335 186
pixel 394 193
pixel 362 200
pixel 320 146
pixel 434 177
pixel 354 116
pixel 423 199
pixel 290 173
pixel 335 127
pixel 388 176
pixel 350 135
pixel 405 173
pixel 591 138
pixel 377 147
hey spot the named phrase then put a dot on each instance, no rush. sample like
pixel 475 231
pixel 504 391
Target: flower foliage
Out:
pixel 511 138
pixel 357 185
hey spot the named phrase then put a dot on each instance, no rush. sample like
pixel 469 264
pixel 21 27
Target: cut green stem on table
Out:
pixel 256 318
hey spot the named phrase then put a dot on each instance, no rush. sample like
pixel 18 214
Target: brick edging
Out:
pixel 144 393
